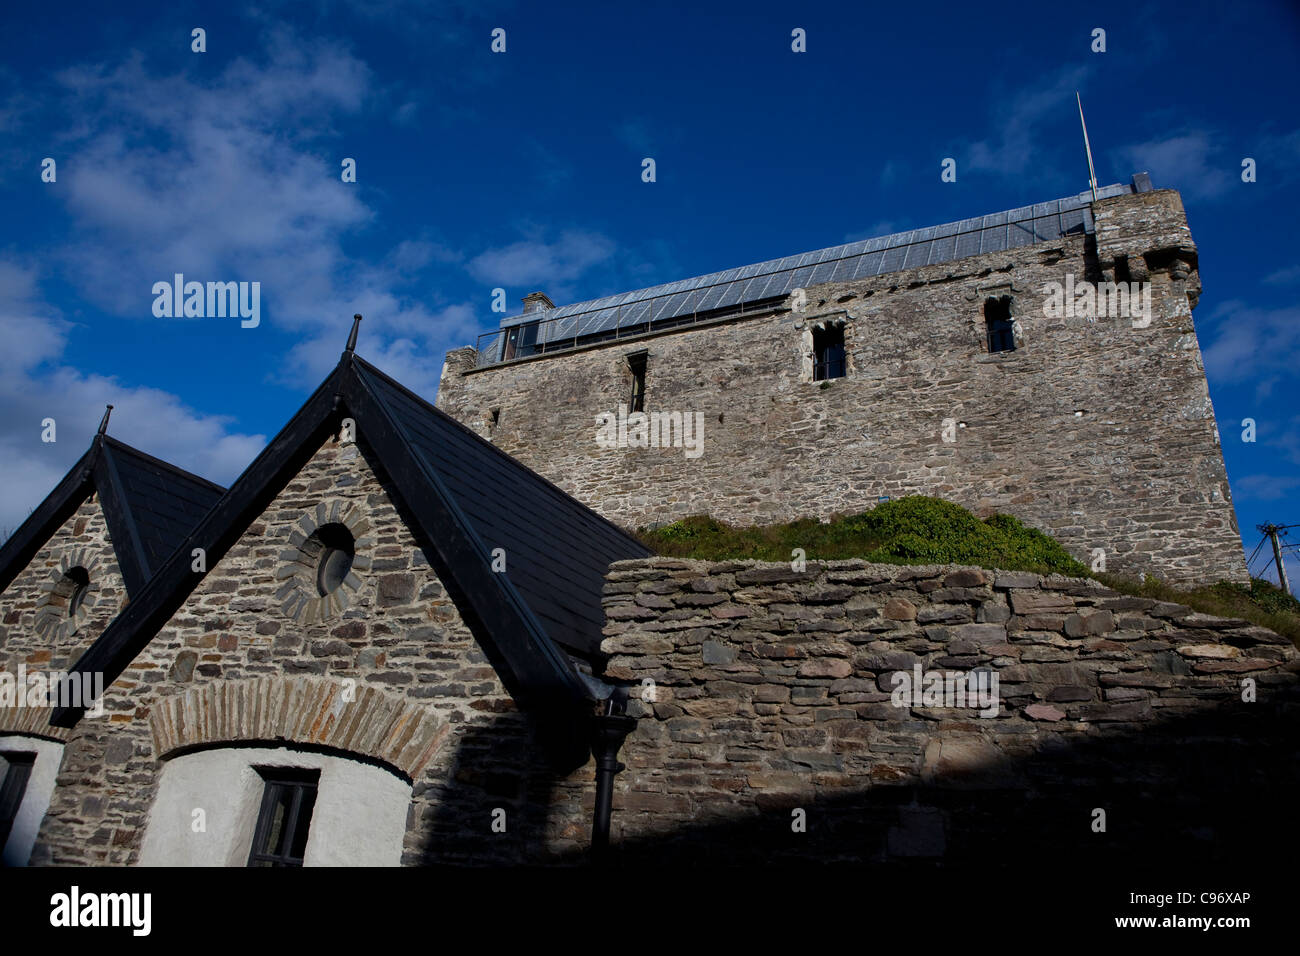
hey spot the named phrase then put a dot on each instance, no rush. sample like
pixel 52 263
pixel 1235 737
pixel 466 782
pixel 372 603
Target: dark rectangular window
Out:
pixel 997 318
pixel 828 353
pixel 636 362
pixel 288 798
pixel 12 789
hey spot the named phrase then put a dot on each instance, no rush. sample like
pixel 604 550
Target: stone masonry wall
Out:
pixel 1097 432
pixel 45 637
pixel 762 690
pixel 401 637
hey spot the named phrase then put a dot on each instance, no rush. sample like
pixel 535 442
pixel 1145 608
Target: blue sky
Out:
pixel 522 170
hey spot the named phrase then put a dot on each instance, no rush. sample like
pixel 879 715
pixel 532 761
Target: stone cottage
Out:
pixel 384 611
pixel 91 546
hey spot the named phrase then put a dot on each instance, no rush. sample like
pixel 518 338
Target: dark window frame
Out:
pixel 999 324
pixel 520 340
pixel 636 363
pixel 13 789
pixel 830 354
pixel 302 787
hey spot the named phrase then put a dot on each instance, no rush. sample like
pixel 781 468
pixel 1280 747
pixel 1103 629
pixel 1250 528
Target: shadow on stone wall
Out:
pixel 1217 787
pixel 498 766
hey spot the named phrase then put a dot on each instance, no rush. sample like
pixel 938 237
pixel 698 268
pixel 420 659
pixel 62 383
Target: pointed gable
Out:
pixel 465 497
pixel 149 505
pixel 89 548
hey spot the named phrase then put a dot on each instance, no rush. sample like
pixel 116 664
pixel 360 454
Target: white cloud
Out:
pixel 232 176
pixel 34 387
pixel 1206 164
pixel 230 179
pixel 1186 162
pixel 536 262
pixel 406 357
pixel 31 332
pixel 1284 276
pixel 635 135
pixel 1252 343
pixel 1021 119
pixel 882 227
pixel 219 182
pixel 1266 487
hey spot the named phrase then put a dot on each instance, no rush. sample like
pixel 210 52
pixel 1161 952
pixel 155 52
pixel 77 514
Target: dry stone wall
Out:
pixel 1094 430
pixel 764 691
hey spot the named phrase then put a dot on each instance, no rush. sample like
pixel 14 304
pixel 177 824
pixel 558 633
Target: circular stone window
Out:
pixel 320 574
pixel 68 596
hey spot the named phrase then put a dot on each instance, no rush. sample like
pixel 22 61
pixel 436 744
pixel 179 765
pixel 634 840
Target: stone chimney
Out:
pixel 537 302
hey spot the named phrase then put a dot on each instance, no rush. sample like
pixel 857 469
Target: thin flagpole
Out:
pixel 1092 173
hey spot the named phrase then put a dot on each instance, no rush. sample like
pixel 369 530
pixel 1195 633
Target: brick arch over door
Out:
pixel 31 722
pixel 314 711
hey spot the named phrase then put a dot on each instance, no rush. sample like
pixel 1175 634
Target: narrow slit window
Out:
pixel 828 353
pixel 636 363
pixel 288 798
pixel 1001 329
pixel 15 770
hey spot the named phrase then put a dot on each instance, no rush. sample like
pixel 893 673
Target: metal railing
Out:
pixel 493 346
pixel 501 347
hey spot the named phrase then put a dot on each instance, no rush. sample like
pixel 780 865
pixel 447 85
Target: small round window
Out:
pixel 336 548
pixel 321 573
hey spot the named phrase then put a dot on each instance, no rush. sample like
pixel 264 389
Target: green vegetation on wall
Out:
pixel 921 530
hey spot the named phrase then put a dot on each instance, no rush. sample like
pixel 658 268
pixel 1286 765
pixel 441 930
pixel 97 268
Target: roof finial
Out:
pixel 103 425
pixel 352 338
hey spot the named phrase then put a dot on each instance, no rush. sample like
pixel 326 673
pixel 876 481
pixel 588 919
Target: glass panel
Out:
pixel 301 826
pixel 334 567
pixel 281 801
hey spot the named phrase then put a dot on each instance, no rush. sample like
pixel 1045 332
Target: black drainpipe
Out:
pixel 609 729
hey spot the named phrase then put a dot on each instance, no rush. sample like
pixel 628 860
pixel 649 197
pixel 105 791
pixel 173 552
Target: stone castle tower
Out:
pixel 964 361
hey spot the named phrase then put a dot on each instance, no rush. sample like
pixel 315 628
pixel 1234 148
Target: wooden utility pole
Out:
pixel 1271 530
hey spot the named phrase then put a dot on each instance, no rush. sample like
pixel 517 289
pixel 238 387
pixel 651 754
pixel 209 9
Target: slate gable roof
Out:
pixel 556 549
pixel 465 497
pixel 149 506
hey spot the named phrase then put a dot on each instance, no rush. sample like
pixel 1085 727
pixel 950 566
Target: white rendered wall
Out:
pixel 359 818
pixel 36 799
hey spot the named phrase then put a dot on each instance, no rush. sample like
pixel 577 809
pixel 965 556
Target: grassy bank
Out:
pixel 920 530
